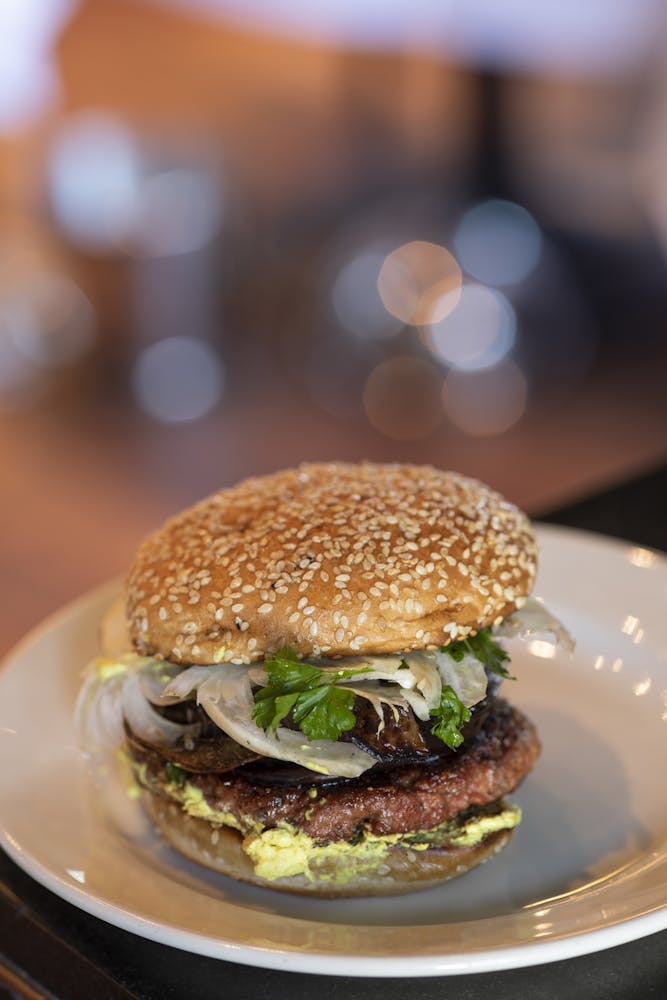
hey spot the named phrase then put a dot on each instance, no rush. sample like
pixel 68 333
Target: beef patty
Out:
pixel 407 798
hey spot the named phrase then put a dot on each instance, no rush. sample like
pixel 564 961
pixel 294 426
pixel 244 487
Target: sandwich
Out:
pixel 303 675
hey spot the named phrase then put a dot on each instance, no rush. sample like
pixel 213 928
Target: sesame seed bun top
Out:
pixel 331 559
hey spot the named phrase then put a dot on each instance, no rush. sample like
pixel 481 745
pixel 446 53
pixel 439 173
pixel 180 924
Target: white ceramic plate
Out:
pixel 586 870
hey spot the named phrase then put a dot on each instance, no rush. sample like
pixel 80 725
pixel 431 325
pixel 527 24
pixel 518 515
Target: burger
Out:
pixel 303 675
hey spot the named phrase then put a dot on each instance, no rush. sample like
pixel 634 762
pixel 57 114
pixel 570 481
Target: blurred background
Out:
pixel 237 234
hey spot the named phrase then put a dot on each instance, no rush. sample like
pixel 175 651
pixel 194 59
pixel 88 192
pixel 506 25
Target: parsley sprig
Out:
pixel 318 705
pixel 484 649
pixel 450 715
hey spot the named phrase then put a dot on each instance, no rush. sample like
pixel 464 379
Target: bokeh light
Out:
pixel 498 242
pixel 47 325
pixel 29 84
pixel 478 333
pixel 419 282
pixel 402 398
pixel 106 194
pixel 94 180
pixel 356 299
pixel 53 323
pixel 181 211
pixel 178 379
pixel 486 403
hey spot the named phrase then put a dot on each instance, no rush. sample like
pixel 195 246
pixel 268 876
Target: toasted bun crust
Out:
pixel 397 872
pixel 331 559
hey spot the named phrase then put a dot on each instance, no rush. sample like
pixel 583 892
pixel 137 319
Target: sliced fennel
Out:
pixel 535 621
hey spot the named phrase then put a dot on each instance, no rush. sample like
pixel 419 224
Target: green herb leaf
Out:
pixel 270 709
pixel 289 673
pixel 451 715
pixel 484 649
pixel 325 712
pixel 175 774
pixel 321 709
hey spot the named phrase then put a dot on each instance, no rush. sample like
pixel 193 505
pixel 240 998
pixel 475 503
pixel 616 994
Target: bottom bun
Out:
pixel 399 870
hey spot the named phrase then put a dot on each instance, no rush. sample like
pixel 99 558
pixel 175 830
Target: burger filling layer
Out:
pixel 308 759
pixel 456 801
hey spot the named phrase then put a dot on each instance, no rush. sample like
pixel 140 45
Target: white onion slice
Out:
pixel 148 724
pixel 98 715
pixel 535 621
pixel 184 684
pixel 423 673
pixel 424 666
pixel 412 671
pixel 394 693
pixel 379 695
pixel 466 676
pixel 417 704
pixel 226 697
pixel 114 690
pixel 155 678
